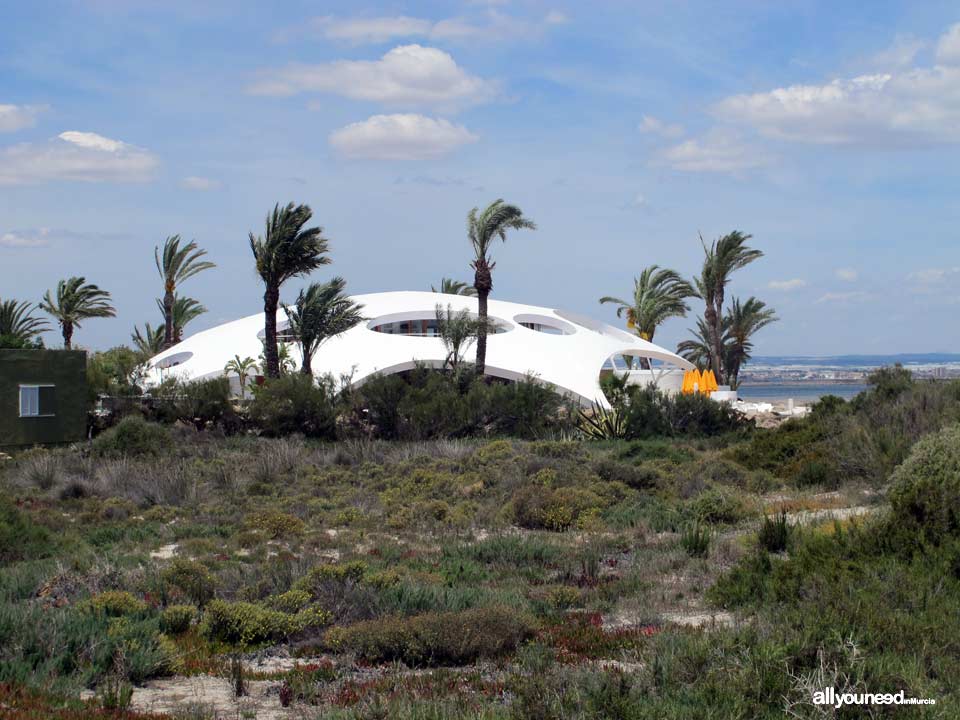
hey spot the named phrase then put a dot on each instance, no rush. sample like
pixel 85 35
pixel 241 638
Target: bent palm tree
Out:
pixel 175 265
pixel 242 368
pixel 149 342
pixel 75 300
pixel 724 256
pixel 321 311
pixel 482 229
pixel 18 323
pixel 743 321
pixel 286 250
pixel 699 349
pixel 658 294
pixel 183 311
pixel 448 286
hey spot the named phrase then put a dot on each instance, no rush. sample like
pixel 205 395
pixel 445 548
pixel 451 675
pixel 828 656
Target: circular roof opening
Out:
pixel 173 360
pixel 283 333
pixel 544 324
pixel 422 324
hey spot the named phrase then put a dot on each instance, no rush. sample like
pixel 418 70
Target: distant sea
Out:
pixel 802 392
pixel 852 362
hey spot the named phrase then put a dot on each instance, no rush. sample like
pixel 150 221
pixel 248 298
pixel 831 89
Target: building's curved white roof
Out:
pixel 571 361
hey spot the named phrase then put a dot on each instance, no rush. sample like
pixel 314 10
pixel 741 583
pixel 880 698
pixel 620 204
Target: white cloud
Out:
pixel 555 17
pixel 948 47
pixel 915 105
pixel 787 285
pixel 900 54
pixel 25 240
pixel 655 126
pixel 933 276
pixel 847 274
pixel 193 182
pixel 400 137
pixel 17 117
pixel 75 156
pixel 717 151
pixel 843 297
pixel 492 26
pixel 406 75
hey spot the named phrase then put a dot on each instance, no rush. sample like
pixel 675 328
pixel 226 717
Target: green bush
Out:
pixel 542 508
pixel 637 477
pixel 925 496
pixel 176 619
pixel 191 578
pixel 206 402
pixel 435 639
pixel 20 537
pixel 717 506
pixel 293 404
pixel 695 540
pixel 117 603
pixel 245 624
pixel 276 524
pixel 774 534
pixel 133 436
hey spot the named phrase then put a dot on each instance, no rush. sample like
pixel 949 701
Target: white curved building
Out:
pixel 562 348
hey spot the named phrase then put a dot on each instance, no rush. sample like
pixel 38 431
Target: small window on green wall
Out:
pixel 38 400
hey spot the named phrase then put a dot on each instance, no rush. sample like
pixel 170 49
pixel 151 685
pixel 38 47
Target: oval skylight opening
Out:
pixel 173 360
pixel 544 324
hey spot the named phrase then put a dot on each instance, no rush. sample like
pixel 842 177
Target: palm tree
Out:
pixel 448 286
pixel 321 311
pixel 699 349
pixel 175 265
pixel 724 256
pixel 17 323
pixel 242 368
pixel 149 342
pixel 286 250
pixel 658 294
pixel 457 329
pixel 743 321
pixel 76 300
pixel 483 228
pixel 183 311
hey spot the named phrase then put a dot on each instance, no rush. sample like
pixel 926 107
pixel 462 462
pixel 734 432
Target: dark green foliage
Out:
pixel 193 579
pixel 21 538
pixel 774 534
pixel 176 619
pixel 426 404
pixel 695 540
pixel 133 436
pixel 636 477
pixel 203 403
pixel 925 496
pixel 435 639
pixel 293 404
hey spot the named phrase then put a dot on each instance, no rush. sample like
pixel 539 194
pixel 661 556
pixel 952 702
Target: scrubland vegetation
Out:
pixel 477 558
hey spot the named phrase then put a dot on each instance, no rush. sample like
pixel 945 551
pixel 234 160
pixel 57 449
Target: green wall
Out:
pixel 67 370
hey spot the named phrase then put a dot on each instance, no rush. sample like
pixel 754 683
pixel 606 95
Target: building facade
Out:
pixel 43 397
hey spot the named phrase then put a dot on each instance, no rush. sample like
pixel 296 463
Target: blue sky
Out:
pixel 624 129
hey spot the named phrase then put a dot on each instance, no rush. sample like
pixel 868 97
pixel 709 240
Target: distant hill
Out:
pixel 858 361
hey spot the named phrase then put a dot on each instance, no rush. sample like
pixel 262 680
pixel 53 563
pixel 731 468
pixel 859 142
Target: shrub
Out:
pixel 133 436
pixel 276 524
pixel 542 508
pixel 245 624
pixel 638 478
pixel 293 404
pixel 176 619
pixel 695 540
pixel 192 578
pixel 717 506
pixel 435 639
pixel 117 603
pixel 20 537
pixel 925 496
pixel 774 534
pixel 205 402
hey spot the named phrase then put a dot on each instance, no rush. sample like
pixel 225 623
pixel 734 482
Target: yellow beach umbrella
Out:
pixel 697 381
pixel 710 381
pixel 687 387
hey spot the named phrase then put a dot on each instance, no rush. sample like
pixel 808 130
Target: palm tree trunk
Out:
pixel 271 299
pixel 483 282
pixel 67 335
pixel 305 367
pixel 168 334
pixel 713 324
